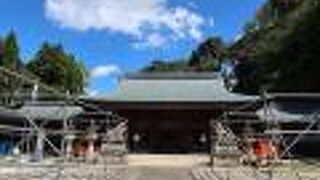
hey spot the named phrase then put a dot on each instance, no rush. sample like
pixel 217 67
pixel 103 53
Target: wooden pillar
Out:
pixel 212 141
pixel 28 136
pixel 64 136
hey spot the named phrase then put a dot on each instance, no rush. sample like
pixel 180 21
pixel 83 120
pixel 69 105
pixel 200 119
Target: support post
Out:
pixel 39 150
pixel 212 142
pixel 69 145
pixel 92 136
pixel 64 137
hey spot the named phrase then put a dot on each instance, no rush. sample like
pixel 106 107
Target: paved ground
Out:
pixel 167 160
pixel 138 167
pixel 159 173
pixel 157 167
pixel 163 167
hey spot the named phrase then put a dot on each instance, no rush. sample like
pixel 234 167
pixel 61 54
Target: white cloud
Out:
pixel 104 71
pixel 138 18
pixel 153 40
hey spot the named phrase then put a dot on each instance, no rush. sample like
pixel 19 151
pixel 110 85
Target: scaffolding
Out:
pixel 44 148
pixel 40 157
pixel 222 136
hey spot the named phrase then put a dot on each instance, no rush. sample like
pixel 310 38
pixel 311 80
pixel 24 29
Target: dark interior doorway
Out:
pixel 169 142
pixel 163 131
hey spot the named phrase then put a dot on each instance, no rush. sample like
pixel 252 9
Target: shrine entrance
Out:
pixel 163 131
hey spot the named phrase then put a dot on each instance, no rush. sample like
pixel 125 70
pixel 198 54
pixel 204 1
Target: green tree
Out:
pixel 274 10
pixel 58 69
pixel 285 55
pixel 251 27
pixel 1 51
pixel 10 61
pixel 208 55
pixel 162 66
pixel 11 58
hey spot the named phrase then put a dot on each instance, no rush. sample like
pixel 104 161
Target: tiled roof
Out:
pixel 42 111
pixel 164 88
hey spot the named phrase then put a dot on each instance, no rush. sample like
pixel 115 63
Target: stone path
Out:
pixel 159 173
pixel 247 173
pixel 156 167
pixel 163 167
pixel 74 172
pixel 138 167
pixel 167 160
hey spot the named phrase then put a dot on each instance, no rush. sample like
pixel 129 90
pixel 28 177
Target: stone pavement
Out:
pixel 163 167
pixel 138 167
pixel 159 173
pixel 167 160
pixel 157 167
pixel 249 173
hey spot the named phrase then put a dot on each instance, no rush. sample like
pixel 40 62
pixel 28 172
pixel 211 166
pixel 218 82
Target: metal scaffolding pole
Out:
pixel 32 129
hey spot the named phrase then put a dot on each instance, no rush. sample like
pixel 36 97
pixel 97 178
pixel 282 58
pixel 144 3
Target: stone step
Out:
pixel 203 174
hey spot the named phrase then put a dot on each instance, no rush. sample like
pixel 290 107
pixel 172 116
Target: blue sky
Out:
pixel 118 36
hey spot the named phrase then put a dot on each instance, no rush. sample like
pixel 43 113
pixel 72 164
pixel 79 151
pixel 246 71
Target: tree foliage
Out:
pixel 58 69
pixel 207 57
pixel 51 65
pixel 278 51
pixel 1 51
pixel 284 51
pixel 9 59
pixel 162 66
